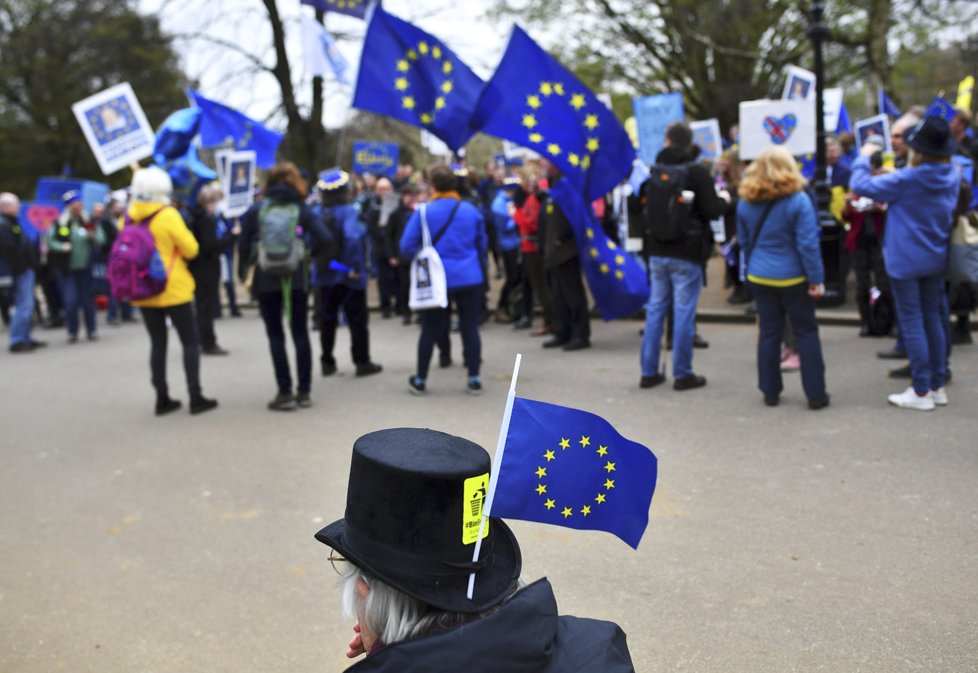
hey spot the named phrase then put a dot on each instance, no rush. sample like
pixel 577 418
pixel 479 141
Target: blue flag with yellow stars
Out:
pixel 807 166
pixel 355 8
pixel 535 102
pixel 618 283
pixel 571 468
pixel 218 122
pixel 942 108
pixel 407 74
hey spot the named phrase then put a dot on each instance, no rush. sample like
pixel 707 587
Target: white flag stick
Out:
pixel 497 462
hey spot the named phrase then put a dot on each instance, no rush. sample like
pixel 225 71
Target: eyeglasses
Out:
pixel 335 558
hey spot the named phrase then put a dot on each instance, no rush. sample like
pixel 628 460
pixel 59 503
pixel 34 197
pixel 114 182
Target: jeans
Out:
pixel 354 304
pixel 920 313
pixel 774 305
pixel 77 288
pixel 118 308
pixel 20 324
pixel 675 282
pixel 271 306
pixel 182 317
pixel 434 327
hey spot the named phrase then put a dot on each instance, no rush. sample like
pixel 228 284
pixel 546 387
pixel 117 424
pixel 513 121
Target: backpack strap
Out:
pixel 757 233
pixel 451 216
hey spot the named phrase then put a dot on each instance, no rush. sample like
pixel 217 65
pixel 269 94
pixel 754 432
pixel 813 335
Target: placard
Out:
pixel 115 127
pixel 783 123
pixel 241 168
pixel 653 115
pixel 706 135
pixel 375 158
pixel 799 85
pixel 875 125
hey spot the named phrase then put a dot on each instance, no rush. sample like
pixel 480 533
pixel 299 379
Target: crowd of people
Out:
pixel 338 233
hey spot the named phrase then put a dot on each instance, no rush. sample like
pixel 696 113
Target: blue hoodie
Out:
pixel 788 246
pixel 354 252
pixel 919 218
pixel 463 245
pixel 506 231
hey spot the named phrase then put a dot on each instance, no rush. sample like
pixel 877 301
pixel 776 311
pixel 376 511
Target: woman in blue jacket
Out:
pixel 778 232
pixel 459 232
pixel 921 201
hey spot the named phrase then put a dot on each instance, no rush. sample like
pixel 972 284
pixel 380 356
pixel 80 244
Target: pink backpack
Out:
pixel 135 269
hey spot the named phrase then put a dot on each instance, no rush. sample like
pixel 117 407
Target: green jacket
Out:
pixel 83 242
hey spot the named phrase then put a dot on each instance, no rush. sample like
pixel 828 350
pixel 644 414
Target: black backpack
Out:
pixel 667 217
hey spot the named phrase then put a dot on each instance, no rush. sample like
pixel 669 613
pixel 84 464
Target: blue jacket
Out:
pixel 506 232
pixel 788 246
pixel 462 247
pixel 919 218
pixel 354 253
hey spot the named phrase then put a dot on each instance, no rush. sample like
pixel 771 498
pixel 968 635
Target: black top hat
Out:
pixel 931 136
pixel 413 508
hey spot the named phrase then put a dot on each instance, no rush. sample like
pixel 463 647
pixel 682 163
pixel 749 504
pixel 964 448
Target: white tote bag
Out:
pixel 429 287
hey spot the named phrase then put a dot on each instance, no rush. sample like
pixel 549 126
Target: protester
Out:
pixel 921 200
pixel 527 217
pixel 19 254
pixel 71 241
pixel 376 216
pixel 151 190
pixel 396 224
pixel 730 171
pixel 778 229
pixel 110 222
pixel 677 268
pixel 206 267
pixel 572 320
pixel 344 289
pixel 405 571
pixel 509 246
pixel 459 235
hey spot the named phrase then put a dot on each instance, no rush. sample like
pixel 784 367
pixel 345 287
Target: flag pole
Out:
pixel 496 463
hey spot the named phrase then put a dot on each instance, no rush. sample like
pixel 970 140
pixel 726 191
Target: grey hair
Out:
pixel 391 614
pixel 151 184
pixel 9 200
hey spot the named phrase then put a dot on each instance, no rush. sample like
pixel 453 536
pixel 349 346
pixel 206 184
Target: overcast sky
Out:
pixel 460 24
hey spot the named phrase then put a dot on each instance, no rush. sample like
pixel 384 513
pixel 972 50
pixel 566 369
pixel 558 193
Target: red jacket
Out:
pixel 526 218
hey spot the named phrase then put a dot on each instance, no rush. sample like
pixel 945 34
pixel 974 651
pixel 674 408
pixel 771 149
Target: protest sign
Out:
pixel 115 127
pixel 375 158
pixel 653 114
pixel 785 123
pixel 706 135
pixel 240 183
pixel 799 85
pixel 832 108
pixel 877 125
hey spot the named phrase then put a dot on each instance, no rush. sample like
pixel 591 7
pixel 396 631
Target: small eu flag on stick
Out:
pixel 569 468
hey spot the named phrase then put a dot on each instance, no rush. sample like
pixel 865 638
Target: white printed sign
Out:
pixel 115 127
pixel 784 123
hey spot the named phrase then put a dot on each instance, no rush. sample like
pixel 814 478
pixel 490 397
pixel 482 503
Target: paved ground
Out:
pixel 781 539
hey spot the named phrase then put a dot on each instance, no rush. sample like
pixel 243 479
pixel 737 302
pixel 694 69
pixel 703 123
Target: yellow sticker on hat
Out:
pixel 473 498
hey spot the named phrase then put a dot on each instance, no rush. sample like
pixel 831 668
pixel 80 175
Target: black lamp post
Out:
pixel 832 234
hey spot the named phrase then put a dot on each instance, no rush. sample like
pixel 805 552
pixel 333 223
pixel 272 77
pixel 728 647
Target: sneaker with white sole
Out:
pixel 939 396
pixel 909 399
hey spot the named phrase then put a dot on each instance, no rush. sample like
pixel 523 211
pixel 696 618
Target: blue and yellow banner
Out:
pixel 357 8
pixel 942 108
pixel 410 75
pixel 535 102
pixel 571 468
pixel 218 123
pixel 375 158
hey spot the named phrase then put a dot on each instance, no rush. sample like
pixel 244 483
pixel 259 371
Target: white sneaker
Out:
pixel 939 396
pixel 909 399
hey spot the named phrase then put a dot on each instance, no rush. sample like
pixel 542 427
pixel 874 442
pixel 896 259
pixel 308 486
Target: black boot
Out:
pixel 199 404
pixel 165 405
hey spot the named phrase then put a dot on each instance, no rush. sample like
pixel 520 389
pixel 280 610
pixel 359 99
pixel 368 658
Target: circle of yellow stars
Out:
pixel 604 267
pixel 402 82
pixel 345 4
pixel 552 91
pixel 550 455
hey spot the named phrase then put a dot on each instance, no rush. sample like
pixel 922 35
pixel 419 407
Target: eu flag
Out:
pixel 355 8
pixel 619 285
pixel 886 106
pixel 942 108
pixel 218 122
pixel 807 165
pixel 407 74
pixel 535 102
pixel 571 468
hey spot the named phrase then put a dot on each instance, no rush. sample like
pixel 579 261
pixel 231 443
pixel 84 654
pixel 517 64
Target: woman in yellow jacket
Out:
pixel 151 189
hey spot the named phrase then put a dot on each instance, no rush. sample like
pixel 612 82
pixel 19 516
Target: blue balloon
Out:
pixel 175 135
pixel 188 174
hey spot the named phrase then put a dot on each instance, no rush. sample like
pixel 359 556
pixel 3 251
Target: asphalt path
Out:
pixel 781 539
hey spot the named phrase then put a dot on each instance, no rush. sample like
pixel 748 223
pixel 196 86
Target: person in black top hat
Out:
pixel 405 550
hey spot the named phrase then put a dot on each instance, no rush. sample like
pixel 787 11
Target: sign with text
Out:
pixel 375 158
pixel 653 114
pixel 784 123
pixel 241 167
pixel 115 127
pixel 706 136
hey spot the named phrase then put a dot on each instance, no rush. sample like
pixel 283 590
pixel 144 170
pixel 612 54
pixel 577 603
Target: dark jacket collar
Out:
pixel 673 155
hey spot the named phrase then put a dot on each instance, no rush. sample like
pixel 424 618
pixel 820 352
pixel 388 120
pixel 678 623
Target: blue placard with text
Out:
pixel 375 158
pixel 653 115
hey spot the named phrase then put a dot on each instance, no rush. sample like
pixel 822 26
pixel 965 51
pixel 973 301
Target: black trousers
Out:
pixel 207 300
pixel 272 305
pixel 354 305
pixel 570 301
pixel 184 322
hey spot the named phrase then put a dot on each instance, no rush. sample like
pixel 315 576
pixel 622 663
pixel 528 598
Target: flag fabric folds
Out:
pixel 357 8
pixel 218 122
pixel 618 283
pixel 886 106
pixel 571 468
pixel 940 108
pixel 535 102
pixel 320 51
pixel 410 75
pixel 965 89
pixel 844 124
